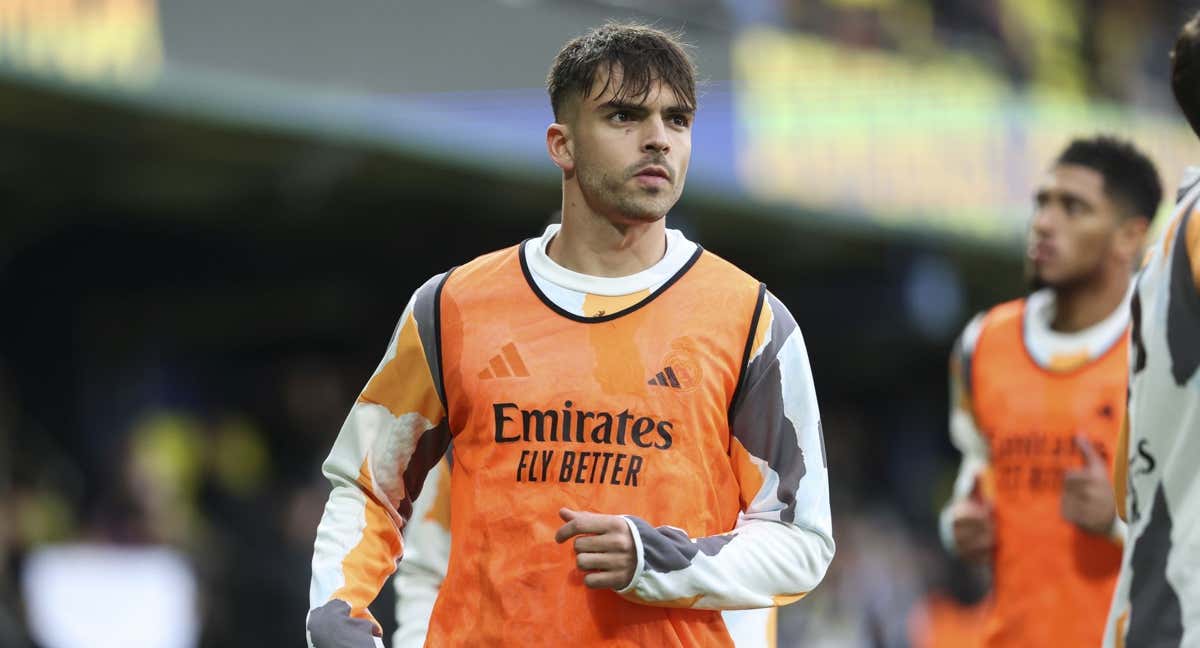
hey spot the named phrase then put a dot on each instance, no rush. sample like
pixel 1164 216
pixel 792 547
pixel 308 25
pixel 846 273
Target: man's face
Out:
pixel 1073 229
pixel 631 156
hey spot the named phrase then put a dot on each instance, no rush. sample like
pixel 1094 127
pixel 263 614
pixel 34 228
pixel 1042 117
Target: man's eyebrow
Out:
pixel 1064 195
pixel 615 104
pixel 1077 197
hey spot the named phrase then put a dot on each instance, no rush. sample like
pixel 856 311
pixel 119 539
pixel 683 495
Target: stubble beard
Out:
pixel 609 193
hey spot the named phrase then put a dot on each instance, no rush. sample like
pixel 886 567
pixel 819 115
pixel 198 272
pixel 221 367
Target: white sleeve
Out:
pixel 395 433
pixel 783 541
pixel 964 433
pixel 426 557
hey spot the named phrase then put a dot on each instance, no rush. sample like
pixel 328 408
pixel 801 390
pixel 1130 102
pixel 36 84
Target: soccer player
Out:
pixel 1157 599
pixel 636 441
pixel 427 554
pixel 1038 396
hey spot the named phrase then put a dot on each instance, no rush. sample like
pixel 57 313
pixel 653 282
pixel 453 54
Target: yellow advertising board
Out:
pixel 942 143
pixel 115 41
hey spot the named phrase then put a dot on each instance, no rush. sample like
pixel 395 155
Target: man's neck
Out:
pixel 593 245
pixel 1086 304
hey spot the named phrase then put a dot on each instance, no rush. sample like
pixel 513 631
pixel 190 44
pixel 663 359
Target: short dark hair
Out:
pixel 1185 71
pixel 643 55
pixel 1129 176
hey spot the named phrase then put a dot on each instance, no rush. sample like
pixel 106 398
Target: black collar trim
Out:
pixel 611 316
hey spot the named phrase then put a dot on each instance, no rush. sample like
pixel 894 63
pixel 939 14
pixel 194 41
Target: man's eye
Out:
pixel 680 120
pixel 620 116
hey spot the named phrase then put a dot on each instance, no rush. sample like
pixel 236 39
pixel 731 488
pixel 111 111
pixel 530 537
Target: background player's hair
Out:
pixel 642 54
pixel 1129 176
pixel 1185 71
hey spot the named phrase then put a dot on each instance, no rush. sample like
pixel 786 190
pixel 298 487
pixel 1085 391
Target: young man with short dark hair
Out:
pixel 1038 399
pixel 636 441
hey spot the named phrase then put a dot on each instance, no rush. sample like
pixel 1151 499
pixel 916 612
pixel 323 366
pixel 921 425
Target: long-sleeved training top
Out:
pixel 680 397
pixel 1022 393
pixel 1157 599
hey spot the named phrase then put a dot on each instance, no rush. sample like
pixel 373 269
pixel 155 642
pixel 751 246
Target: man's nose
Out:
pixel 656 137
pixel 1044 219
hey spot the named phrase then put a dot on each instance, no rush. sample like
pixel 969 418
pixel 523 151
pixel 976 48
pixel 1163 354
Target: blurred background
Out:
pixel 212 214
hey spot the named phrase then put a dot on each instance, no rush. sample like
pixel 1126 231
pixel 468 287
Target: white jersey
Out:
pixel 1157 600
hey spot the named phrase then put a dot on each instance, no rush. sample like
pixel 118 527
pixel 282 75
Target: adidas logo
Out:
pixel 506 364
pixel 665 378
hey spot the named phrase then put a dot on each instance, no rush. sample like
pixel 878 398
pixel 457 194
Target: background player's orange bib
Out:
pixel 1053 581
pixel 626 414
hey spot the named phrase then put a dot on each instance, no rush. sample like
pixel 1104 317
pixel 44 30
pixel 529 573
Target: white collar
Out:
pixel 679 251
pixel 1044 343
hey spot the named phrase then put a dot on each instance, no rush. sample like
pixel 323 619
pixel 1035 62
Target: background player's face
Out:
pixel 631 157
pixel 1074 227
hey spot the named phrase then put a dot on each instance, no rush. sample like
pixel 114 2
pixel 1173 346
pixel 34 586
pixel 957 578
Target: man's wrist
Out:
pixel 638 550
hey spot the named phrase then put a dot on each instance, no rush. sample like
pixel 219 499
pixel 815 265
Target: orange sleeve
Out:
pixel 1193 245
pixel 1121 467
pixel 395 433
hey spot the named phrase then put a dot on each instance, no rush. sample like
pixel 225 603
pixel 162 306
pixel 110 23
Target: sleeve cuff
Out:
pixel 641 557
pixel 946 529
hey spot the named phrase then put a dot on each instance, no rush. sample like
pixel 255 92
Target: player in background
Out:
pixel 635 432
pixel 1038 396
pixel 427 555
pixel 1157 599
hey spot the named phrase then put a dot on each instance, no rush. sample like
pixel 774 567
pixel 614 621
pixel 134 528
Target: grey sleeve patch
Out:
pixel 1183 311
pixel 331 626
pixel 667 549
pixel 426 314
pixel 1155 615
pixel 713 545
pixel 759 421
pixel 431 447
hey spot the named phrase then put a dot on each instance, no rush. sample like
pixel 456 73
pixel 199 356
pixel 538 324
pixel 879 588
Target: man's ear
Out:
pixel 561 146
pixel 1131 238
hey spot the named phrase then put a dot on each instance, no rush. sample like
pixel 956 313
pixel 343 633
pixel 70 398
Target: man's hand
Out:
pixel 974 529
pixel 1088 501
pixel 604 548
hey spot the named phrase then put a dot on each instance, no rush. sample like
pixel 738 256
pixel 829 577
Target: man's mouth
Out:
pixel 1041 252
pixel 654 171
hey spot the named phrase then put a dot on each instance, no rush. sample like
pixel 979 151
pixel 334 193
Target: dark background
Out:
pixel 190 300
